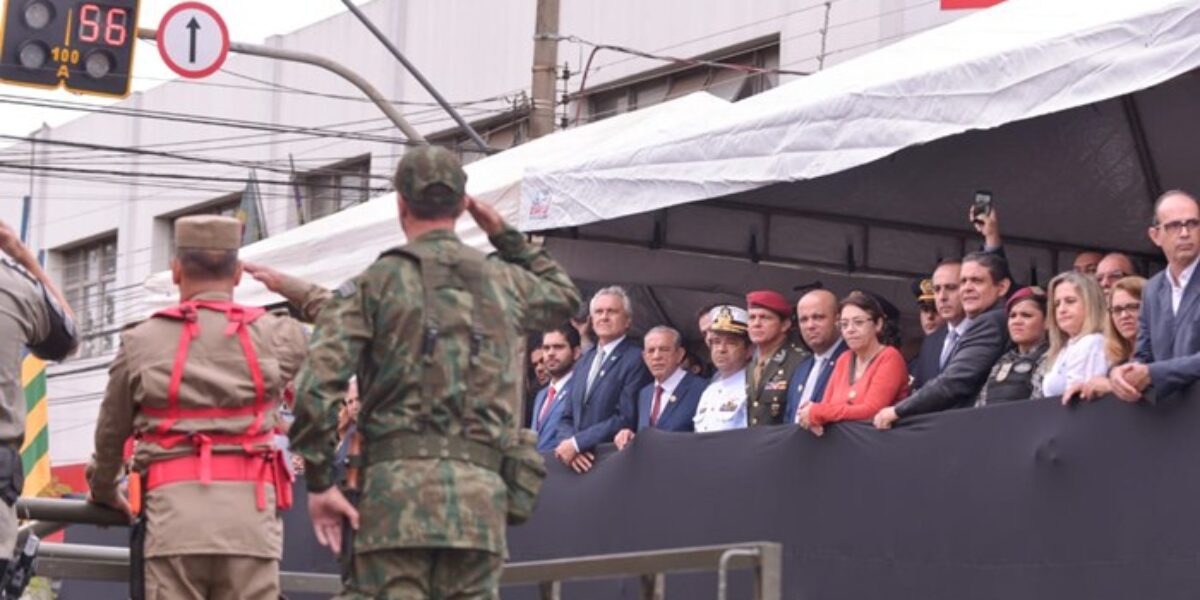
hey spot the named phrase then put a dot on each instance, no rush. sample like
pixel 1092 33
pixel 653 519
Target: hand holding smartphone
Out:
pixel 981 207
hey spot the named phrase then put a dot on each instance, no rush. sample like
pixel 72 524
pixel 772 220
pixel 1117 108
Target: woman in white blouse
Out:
pixel 1076 325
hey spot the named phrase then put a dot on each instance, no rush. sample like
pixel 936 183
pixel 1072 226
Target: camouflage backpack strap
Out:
pixel 433 277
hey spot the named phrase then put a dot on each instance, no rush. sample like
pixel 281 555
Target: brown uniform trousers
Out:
pixel 203 540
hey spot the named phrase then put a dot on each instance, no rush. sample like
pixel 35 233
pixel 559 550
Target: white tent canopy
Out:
pixel 336 247
pixel 1019 60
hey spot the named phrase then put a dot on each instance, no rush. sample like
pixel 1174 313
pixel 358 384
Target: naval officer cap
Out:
pixel 727 318
pixel 208 232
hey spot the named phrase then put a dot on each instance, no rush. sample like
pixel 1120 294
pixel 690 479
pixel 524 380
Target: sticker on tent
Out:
pixel 539 208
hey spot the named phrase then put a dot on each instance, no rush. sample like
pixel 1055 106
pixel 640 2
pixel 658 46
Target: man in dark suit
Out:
pixel 669 402
pixel 607 380
pixel 560 352
pixel 983 286
pixel 937 346
pixel 1167 358
pixel 817 315
pixel 775 357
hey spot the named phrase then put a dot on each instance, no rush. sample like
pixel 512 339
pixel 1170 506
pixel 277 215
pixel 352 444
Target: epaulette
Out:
pixel 19 269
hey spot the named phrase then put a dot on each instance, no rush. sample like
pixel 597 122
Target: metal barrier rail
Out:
pixel 107 563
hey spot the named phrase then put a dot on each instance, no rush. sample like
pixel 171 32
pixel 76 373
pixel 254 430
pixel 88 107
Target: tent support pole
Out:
pixel 1133 116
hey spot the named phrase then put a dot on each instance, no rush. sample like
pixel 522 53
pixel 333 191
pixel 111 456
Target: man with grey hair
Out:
pixel 669 402
pixel 607 380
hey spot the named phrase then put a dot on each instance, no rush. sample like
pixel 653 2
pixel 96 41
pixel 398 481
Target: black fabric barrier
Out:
pixel 1026 500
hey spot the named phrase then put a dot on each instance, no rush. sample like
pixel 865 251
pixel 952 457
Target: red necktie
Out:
pixel 656 405
pixel 546 406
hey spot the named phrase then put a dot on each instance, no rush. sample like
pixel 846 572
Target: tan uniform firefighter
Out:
pixel 198 386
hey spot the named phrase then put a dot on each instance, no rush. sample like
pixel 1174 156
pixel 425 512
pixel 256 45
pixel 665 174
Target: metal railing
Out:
pixel 109 563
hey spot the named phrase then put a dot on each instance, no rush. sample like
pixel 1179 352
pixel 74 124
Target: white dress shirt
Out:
pixel 953 335
pixel 723 404
pixel 668 385
pixel 1177 287
pixel 819 362
pixel 1081 360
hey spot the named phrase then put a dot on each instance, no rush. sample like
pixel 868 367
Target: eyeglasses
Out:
pixel 1110 276
pixel 1177 227
pixel 1121 309
pixel 853 323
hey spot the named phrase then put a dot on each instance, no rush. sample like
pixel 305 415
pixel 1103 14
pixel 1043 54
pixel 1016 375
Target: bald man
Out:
pixel 1114 267
pixel 816 313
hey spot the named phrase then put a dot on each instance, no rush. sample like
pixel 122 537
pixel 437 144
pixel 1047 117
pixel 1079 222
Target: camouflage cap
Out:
pixel 208 232
pixel 426 166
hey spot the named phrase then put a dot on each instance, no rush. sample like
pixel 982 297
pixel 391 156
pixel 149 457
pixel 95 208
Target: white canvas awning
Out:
pixel 1019 60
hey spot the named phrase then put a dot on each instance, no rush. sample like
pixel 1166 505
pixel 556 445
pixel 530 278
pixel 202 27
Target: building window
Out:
pixel 732 84
pixel 334 188
pixel 89 274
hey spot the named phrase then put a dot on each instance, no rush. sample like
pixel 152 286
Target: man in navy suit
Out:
pixel 1167 358
pixel 603 397
pixel 816 312
pixel 560 351
pixel 669 402
pixel 937 346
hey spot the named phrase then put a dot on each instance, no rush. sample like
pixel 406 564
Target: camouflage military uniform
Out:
pixel 25 320
pixel 430 527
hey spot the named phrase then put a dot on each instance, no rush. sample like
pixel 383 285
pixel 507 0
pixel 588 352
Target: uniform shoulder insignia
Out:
pixel 14 267
pixel 347 289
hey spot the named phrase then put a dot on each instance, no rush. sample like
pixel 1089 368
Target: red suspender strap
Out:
pixel 186 313
pixel 239 320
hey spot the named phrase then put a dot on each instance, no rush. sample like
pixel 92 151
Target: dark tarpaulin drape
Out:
pixel 1026 500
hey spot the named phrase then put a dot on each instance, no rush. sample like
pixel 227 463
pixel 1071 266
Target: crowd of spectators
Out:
pixel 1095 330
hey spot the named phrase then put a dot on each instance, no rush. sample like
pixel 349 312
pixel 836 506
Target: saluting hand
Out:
pixel 485 216
pixel 272 279
pixel 9 241
pixel 327 509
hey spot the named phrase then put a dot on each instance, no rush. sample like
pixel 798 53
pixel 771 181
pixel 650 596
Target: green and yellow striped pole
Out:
pixel 35 452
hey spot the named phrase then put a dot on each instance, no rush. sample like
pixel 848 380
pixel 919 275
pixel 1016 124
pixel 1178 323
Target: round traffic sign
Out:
pixel 193 40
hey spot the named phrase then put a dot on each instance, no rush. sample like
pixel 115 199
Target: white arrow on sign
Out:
pixel 193 40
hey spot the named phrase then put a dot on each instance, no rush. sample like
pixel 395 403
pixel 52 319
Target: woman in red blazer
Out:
pixel 868 378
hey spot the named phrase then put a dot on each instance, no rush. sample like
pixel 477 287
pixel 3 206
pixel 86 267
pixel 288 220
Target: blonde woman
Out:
pixel 1076 325
pixel 1120 335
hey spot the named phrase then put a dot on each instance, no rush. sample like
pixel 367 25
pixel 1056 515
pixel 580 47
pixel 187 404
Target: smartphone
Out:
pixel 982 206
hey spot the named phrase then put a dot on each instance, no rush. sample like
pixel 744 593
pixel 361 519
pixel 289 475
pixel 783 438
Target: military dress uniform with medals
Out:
pixel 766 395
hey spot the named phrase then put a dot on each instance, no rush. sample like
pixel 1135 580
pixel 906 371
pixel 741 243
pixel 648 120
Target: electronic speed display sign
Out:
pixel 85 46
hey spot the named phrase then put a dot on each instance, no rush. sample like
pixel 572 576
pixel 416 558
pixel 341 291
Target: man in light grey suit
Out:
pixel 1167 358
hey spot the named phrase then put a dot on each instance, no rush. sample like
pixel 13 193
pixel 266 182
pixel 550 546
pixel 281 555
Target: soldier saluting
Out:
pixel 433 330
pixel 33 315
pixel 198 385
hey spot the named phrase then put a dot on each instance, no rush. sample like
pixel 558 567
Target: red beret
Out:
pixel 771 300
